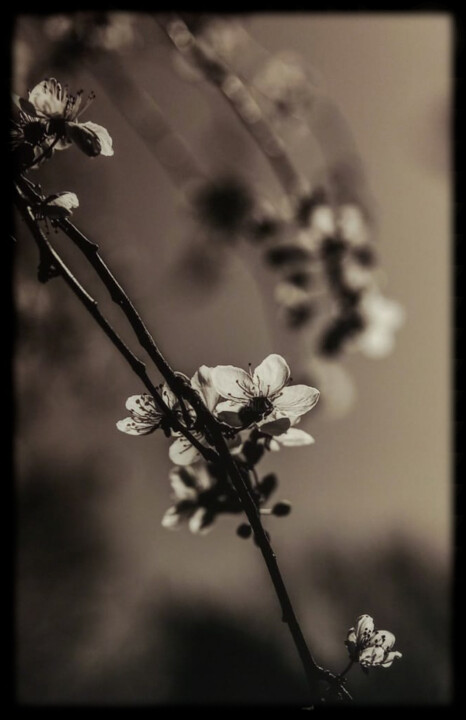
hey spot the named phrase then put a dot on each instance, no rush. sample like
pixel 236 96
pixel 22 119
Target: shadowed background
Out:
pixel 111 607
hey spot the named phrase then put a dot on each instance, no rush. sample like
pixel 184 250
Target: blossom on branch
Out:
pixel 261 397
pixel 191 486
pixel 370 647
pixel 145 416
pixel 53 110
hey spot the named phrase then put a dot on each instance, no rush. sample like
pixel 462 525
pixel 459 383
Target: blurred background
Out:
pixel 113 609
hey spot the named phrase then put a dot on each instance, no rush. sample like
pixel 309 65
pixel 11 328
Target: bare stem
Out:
pixel 53 258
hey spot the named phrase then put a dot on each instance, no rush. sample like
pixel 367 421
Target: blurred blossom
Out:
pixel 57 27
pixel 194 501
pixel 370 647
pixel 353 225
pixel 282 82
pixel 226 37
pixel 355 276
pixel 288 295
pixel 382 317
pixel 222 206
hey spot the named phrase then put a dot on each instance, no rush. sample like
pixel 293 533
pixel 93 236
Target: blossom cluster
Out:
pixel 258 410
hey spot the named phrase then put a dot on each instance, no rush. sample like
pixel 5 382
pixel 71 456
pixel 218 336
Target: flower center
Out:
pixel 257 408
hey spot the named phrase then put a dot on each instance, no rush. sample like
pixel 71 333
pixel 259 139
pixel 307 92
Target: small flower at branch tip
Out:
pixel 53 107
pixel 370 647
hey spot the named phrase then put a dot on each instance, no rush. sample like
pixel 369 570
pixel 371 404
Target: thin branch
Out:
pixel 50 255
pixel 238 96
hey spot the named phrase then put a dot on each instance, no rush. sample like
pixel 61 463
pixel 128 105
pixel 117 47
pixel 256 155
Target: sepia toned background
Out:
pixel 112 608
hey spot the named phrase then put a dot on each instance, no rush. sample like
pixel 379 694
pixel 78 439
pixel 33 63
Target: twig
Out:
pixel 235 92
pixel 49 254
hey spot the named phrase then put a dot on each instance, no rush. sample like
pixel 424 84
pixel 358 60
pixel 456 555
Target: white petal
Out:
pixel 196 524
pixel 203 383
pixel 232 383
pixel 130 426
pixel 384 639
pixel 271 375
pixel 172 519
pixel 49 98
pixel 294 438
pixel 297 399
pixel 228 412
pixel 364 630
pixel 106 142
pixel 274 426
pixel 144 410
pixel 371 656
pixel 390 658
pixel 60 205
pixel 181 452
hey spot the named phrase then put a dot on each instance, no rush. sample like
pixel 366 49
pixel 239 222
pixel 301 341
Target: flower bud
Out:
pixel 282 508
pixel 244 531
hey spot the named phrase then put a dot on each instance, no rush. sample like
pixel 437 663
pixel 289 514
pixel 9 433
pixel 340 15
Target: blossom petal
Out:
pixel 24 105
pixel 276 426
pixel 143 406
pixel 364 630
pixel 294 438
pixel 203 383
pixel 49 98
pixel 384 639
pixel 60 205
pixel 172 518
pixel 131 426
pixel 296 399
pixel 84 137
pixel 371 656
pixel 201 521
pixel 390 658
pixel 105 141
pixel 271 375
pixel 233 383
pixel 181 452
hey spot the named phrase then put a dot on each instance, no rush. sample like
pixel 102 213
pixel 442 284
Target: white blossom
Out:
pixel 145 416
pixel 370 647
pixel 189 484
pixel 382 317
pixel 262 397
pixel 51 102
